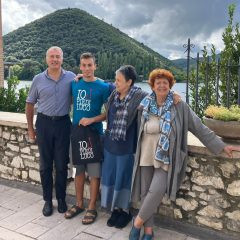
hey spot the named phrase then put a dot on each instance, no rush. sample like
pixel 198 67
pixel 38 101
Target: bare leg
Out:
pixel 94 190
pixel 79 187
pixel 138 223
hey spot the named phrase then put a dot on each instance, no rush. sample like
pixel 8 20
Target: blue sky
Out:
pixel 163 25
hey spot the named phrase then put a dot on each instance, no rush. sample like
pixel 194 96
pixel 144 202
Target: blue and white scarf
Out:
pixel 149 104
pixel 119 128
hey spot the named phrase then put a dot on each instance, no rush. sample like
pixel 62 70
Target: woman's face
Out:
pixel 122 86
pixel 161 87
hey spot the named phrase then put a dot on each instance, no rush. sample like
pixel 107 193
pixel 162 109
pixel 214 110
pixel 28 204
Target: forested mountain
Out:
pixel 182 62
pixel 76 31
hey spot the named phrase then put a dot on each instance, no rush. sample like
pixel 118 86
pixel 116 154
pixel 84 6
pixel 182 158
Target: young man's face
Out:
pixel 54 59
pixel 87 66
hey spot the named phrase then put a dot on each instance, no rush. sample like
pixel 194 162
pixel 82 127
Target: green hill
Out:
pixel 76 31
pixel 182 62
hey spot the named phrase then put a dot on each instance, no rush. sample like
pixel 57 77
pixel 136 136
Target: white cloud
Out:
pixel 15 15
pixel 162 25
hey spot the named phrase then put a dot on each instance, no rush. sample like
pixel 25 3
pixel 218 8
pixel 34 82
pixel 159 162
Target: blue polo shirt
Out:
pixel 53 97
pixel 88 99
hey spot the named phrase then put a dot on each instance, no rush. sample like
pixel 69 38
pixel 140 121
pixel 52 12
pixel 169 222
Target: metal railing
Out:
pixel 226 84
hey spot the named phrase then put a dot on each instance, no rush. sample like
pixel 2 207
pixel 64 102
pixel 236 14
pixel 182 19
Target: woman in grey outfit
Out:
pixel 160 160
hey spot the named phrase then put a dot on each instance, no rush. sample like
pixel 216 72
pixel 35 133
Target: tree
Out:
pixel 208 69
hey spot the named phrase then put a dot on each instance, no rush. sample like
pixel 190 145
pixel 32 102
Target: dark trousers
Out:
pixel 53 137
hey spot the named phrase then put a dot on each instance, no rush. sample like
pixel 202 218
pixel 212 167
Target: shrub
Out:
pixel 12 99
pixel 222 113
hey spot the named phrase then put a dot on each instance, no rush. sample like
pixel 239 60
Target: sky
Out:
pixel 163 25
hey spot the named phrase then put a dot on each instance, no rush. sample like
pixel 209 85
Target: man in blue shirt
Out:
pixel 89 95
pixel 51 89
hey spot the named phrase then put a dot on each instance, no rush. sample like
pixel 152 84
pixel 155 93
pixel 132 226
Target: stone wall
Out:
pixel 209 196
pixel 18 159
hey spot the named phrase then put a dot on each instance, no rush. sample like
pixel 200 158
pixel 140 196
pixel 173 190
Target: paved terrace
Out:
pixel 21 219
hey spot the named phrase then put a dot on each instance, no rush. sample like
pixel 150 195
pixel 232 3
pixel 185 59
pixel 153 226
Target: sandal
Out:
pixel 73 211
pixel 89 217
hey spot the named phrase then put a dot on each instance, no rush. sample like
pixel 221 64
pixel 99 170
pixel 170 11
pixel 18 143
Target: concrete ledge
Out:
pixel 13 119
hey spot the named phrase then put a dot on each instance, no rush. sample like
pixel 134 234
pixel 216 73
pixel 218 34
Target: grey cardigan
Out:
pixel 183 120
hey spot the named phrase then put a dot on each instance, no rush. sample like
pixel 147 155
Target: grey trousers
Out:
pixel 153 188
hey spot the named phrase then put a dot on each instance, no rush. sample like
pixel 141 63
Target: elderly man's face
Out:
pixel 54 59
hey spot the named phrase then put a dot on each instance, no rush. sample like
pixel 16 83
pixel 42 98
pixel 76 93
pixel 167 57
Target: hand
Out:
pixel 229 148
pixel 176 98
pixel 77 78
pixel 86 121
pixel 31 136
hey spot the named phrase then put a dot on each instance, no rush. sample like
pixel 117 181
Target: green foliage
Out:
pixel 11 99
pixel 223 113
pixel 208 69
pixel 76 31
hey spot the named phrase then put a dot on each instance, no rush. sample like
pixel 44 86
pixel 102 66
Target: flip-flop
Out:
pixel 73 211
pixel 89 217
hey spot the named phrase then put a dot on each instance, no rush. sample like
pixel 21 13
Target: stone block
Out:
pixel 233 225
pixel 192 194
pixel 34 147
pixel 221 202
pixel 27 157
pixel 20 138
pixel 25 150
pixel 13 137
pixel 204 203
pixel 177 214
pixel 227 169
pixel 9 154
pixel 34 175
pixel 210 211
pixel 31 164
pixel 233 188
pixel 17 162
pixel 17 173
pixel 6 135
pixel 13 147
pixel 197 188
pixel 166 201
pixel 205 196
pixel 24 175
pixel 235 215
pixel 187 205
pixel 5 169
pixel 210 223
pixel 203 180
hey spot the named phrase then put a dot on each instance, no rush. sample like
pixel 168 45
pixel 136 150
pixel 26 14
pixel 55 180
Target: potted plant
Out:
pixel 223 121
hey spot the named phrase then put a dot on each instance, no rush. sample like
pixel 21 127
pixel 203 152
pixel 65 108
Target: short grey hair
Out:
pixel 55 48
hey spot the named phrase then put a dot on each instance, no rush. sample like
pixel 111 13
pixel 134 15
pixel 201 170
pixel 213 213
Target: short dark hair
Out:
pixel 87 55
pixel 129 72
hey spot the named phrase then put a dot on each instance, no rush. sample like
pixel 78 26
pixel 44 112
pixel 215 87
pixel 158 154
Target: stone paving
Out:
pixel 21 219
